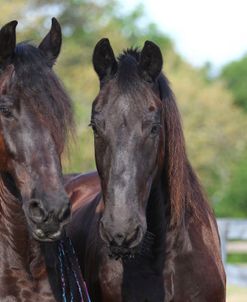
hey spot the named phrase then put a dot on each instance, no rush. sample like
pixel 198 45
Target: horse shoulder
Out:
pixel 199 273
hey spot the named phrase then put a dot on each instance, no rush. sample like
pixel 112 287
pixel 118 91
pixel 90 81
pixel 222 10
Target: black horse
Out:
pixel 35 117
pixel 152 236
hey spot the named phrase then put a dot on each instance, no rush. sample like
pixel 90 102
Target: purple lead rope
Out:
pixel 62 274
pixel 68 262
pixel 78 275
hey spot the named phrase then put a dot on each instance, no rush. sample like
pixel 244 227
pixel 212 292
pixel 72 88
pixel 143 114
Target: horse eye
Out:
pixel 5 112
pixel 95 130
pixel 155 129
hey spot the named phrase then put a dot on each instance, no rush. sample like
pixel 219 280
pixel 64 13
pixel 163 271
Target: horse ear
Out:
pixel 7 41
pixel 5 79
pixel 151 62
pixel 52 42
pixel 104 61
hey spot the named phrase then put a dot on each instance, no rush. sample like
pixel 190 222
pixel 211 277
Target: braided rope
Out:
pixel 72 282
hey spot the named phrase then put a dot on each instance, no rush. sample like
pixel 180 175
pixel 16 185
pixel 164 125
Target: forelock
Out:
pixel 37 85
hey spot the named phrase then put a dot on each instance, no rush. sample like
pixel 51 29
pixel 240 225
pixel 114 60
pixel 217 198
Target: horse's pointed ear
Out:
pixel 5 79
pixel 7 41
pixel 104 61
pixel 52 42
pixel 151 62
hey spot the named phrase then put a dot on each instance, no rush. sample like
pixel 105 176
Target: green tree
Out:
pixel 215 129
pixel 235 76
pixel 234 201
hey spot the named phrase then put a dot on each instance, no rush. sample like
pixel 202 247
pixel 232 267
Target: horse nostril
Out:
pixel 134 238
pixel 103 233
pixel 64 213
pixel 37 212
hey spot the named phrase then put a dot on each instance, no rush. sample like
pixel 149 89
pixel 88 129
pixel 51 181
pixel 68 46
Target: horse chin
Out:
pixel 143 249
pixel 120 252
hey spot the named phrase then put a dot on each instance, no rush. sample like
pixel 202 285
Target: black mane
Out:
pixel 133 52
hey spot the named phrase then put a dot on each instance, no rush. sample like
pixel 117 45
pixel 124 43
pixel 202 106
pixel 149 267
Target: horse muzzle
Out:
pixel 124 241
pixel 47 224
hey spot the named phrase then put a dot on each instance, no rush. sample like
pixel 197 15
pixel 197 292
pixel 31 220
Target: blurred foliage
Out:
pixel 214 126
pixel 235 76
pixel 234 200
pixel 214 137
pixel 238 258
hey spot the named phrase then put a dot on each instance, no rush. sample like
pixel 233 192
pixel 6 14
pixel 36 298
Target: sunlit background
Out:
pixel 204 44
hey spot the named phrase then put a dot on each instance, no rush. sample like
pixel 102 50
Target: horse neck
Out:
pixel 156 210
pixel 157 218
pixel 159 224
pixel 17 249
